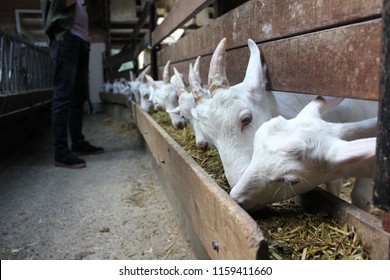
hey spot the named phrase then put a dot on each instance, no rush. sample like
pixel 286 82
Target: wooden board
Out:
pixel 265 21
pixel 382 172
pixel 3 99
pixel 215 217
pixel 24 100
pixel 341 61
pixel 115 98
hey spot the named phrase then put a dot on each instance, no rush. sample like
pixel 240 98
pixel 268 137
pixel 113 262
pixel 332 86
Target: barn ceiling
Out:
pixel 123 16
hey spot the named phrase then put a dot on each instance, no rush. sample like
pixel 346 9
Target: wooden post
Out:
pixel 382 178
pixel 154 49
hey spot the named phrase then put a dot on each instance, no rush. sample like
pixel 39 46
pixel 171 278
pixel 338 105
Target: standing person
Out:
pixel 66 25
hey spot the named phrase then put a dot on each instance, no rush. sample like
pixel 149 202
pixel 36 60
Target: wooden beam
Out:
pixel 265 21
pixel 141 22
pixel 128 54
pixel 180 14
pixel 382 178
pixel 341 61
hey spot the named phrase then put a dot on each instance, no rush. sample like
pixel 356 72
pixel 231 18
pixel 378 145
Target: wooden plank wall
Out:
pixel 319 47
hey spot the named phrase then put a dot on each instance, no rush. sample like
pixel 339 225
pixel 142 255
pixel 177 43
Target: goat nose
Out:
pixel 180 124
pixel 203 146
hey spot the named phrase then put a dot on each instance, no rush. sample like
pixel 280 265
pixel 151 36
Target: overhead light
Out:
pixel 174 37
pixel 160 20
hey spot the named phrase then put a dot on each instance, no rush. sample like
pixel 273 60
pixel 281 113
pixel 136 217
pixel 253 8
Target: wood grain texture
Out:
pixel 11 102
pixel 213 214
pixel 342 61
pixel 382 174
pixel 268 20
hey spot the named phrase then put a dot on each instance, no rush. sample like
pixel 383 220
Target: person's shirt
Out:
pixel 80 23
pixel 58 18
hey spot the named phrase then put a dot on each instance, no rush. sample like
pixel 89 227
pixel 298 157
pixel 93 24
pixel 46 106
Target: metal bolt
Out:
pixel 215 245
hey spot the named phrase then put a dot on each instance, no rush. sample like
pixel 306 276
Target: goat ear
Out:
pixel 181 91
pixel 174 111
pixel 217 73
pixel 131 76
pixel 194 113
pixel 178 78
pixel 166 73
pixel 255 72
pixel 152 94
pixel 319 105
pixel 344 153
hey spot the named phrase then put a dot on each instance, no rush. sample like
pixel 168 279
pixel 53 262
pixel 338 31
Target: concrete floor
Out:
pixel 112 209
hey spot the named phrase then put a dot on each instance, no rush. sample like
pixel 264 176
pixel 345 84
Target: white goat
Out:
pixel 146 92
pixel 230 119
pixel 135 85
pixel 166 97
pixel 294 156
pixel 108 87
pixel 187 103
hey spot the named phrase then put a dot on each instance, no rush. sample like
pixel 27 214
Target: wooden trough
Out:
pixel 225 230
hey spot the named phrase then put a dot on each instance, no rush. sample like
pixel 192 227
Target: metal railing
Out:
pixel 23 65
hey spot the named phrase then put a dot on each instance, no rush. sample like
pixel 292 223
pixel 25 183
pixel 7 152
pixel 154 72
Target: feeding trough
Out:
pixel 228 232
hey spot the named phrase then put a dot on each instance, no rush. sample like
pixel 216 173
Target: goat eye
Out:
pixel 286 181
pixel 246 119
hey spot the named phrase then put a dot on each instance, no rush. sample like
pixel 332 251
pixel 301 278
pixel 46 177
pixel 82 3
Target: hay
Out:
pixel 294 234
pixel 291 233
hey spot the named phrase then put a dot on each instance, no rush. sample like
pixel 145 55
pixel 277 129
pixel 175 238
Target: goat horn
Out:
pixel 196 88
pixel 217 72
pixel 151 81
pixel 141 76
pixel 166 73
pixel 196 68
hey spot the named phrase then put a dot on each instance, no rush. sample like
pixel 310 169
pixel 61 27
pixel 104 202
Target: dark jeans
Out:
pixel 71 59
